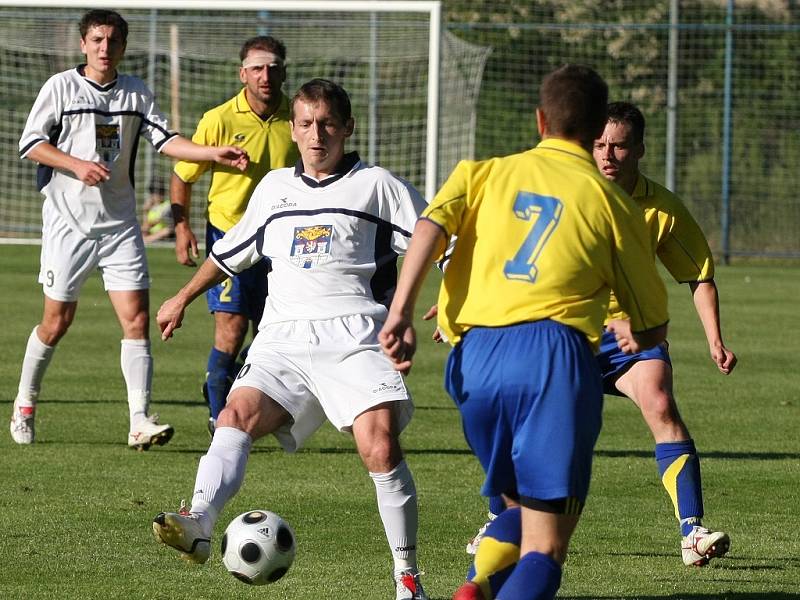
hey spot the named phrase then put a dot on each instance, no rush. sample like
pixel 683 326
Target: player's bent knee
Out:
pixel 660 406
pixel 380 454
pixel 253 412
pixel 52 329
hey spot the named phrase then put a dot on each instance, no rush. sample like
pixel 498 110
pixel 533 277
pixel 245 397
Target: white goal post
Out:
pixel 414 88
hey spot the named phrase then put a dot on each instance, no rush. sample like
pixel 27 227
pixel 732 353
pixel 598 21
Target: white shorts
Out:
pixel 330 369
pixel 69 257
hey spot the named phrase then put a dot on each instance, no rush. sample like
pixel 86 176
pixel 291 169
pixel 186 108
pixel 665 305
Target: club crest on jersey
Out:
pixel 107 139
pixel 311 246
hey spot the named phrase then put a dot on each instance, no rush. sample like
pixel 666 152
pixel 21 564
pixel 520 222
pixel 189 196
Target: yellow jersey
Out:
pixel 268 143
pixel 543 235
pixel 675 237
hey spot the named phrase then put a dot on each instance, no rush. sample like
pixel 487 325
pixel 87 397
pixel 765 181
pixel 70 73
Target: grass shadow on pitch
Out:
pixel 278 450
pixel 114 401
pixel 710 596
pixel 712 454
pixel 730 563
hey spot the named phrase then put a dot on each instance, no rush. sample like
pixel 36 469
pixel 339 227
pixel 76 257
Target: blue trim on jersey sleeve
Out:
pixel 30 145
pixel 218 261
pixel 257 238
pixel 168 134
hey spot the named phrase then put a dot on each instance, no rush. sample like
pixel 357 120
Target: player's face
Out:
pixel 617 154
pixel 262 81
pixel 103 47
pixel 320 135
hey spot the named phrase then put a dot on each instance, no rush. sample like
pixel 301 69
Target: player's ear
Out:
pixel 541 123
pixel 242 77
pixel 639 150
pixel 349 127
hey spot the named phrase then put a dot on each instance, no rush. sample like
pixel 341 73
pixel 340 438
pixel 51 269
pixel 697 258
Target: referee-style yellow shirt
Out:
pixel 543 235
pixel 268 143
pixel 675 237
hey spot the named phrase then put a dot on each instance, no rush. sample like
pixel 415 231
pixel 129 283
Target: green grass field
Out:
pixel 76 507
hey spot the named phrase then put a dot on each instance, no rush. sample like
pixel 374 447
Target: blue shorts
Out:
pixel 243 294
pixel 531 403
pixel 614 362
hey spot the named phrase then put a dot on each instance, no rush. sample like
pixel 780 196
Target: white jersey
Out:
pixel 97 123
pixel 333 244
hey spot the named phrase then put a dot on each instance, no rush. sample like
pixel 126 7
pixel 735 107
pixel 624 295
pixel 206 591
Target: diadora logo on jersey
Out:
pixel 384 388
pixel 239 137
pixel 311 246
pixel 283 203
pixel 80 100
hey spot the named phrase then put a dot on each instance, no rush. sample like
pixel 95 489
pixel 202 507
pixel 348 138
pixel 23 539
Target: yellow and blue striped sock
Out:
pixel 498 552
pixel 679 467
pixel 537 577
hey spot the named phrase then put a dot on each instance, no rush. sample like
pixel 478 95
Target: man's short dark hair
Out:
pixel 101 16
pixel 323 90
pixel 263 42
pixel 573 99
pixel 625 112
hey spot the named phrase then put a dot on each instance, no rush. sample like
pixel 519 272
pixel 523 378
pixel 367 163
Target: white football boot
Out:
pixel 22 424
pixel 701 545
pixel 184 532
pixel 408 586
pixel 148 432
pixel 472 545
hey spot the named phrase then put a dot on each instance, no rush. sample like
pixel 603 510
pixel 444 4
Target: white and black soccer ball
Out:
pixel 258 547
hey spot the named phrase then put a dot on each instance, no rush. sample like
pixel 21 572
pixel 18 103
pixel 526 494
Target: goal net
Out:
pixel 190 59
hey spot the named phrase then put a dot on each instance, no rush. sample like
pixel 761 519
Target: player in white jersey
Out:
pixel 332 228
pixel 84 130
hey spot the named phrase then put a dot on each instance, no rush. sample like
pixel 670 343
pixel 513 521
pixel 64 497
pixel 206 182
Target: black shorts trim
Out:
pixel 558 506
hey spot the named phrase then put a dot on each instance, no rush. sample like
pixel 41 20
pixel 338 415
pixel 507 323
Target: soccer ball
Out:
pixel 258 547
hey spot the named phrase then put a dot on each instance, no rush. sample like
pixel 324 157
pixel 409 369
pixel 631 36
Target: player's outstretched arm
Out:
pixel 397 337
pixel 706 302
pixel 232 156
pixel 89 172
pixel 170 315
pixel 180 195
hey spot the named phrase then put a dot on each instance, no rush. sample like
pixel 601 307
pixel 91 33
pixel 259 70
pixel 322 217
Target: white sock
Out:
pixel 137 369
pixel 34 365
pixel 220 473
pixel 397 505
